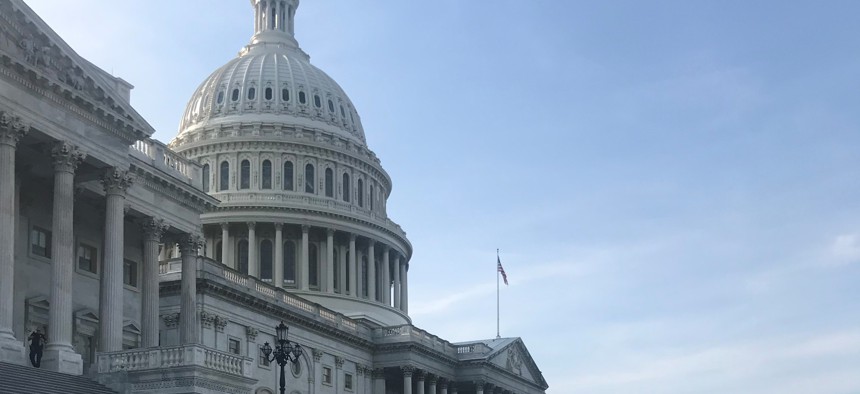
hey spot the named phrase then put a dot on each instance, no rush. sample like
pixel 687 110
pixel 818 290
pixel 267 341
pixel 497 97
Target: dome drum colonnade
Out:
pixel 303 199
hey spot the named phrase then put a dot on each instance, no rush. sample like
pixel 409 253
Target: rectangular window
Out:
pixel 263 360
pixel 326 375
pixel 129 273
pixel 233 346
pixel 40 242
pixel 88 258
pixel 347 381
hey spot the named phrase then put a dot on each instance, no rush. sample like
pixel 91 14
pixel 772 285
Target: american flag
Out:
pixel 502 270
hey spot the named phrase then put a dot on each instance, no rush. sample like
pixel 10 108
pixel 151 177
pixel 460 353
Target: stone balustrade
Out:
pixel 172 357
pixel 160 156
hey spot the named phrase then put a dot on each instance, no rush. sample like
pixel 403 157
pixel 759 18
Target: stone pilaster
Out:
pixel 59 355
pixel 407 370
pixel 378 381
pixel 116 183
pixel 353 271
pixel 12 129
pixel 153 229
pixel 278 263
pixel 188 328
pixel 329 259
pixel 304 274
pixel 253 261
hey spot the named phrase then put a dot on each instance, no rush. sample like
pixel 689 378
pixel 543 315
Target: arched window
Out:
pixel 364 273
pixel 266 171
pixel 342 113
pixel 360 192
pixel 329 182
pixel 289 262
pixel 372 196
pixel 317 101
pixel 313 265
pixel 346 287
pixel 266 260
pixel 331 106
pixel 288 175
pixel 302 98
pixel 245 175
pixel 235 95
pixel 252 93
pixel 268 93
pixel 224 176
pixel 220 97
pixel 309 178
pixel 285 94
pixel 346 190
pixel 242 256
pixel 219 257
pixel 206 177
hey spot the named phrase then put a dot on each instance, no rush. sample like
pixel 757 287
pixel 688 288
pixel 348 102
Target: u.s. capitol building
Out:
pixel 164 268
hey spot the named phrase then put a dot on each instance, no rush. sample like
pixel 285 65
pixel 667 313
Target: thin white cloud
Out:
pixel 845 249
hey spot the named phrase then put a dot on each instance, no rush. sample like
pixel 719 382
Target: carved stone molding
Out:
pixel 66 156
pixel 359 370
pixel 378 373
pixel 432 379
pixel 317 355
pixel 116 181
pixel 171 320
pixel 338 362
pixel 220 323
pixel 12 128
pixel 420 374
pixel 252 333
pixel 153 228
pixel 207 319
pixel 189 243
pixel 408 370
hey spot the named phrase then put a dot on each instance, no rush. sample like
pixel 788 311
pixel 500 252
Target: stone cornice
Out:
pixel 266 307
pixel 413 347
pixel 39 61
pixel 172 189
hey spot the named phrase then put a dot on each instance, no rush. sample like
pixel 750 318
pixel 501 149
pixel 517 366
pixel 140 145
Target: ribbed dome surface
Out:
pixel 272 83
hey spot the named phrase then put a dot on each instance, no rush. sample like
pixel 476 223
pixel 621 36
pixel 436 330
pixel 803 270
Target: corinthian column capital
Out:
pixel 12 128
pixel 116 181
pixel 407 370
pixel 153 228
pixel 189 243
pixel 66 156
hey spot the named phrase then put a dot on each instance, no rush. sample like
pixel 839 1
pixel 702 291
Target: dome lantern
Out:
pixel 274 22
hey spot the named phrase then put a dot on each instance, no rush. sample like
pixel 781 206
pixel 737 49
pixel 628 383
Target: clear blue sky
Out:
pixel 674 185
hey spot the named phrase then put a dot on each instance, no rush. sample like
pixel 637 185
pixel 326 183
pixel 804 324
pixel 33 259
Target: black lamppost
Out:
pixel 285 352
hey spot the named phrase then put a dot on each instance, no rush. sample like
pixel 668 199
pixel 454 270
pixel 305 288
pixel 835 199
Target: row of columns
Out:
pixel 59 354
pixel 379 292
pixel 428 383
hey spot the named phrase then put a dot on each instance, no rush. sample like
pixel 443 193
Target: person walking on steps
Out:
pixel 37 344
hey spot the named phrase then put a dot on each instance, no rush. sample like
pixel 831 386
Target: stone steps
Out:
pixel 28 380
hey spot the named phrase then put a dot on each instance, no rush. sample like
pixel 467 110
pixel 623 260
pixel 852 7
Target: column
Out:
pixel 479 386
pixel 443 386
pixel 225 245
pixel 278 263
pixel 371 271
pixel 431 379
pixel 188 330
pixel 378 381
pixel 453 387
pixel 253 262
pixel 59 355
pixel 153 229
pixel 11 131
pixel 115 183
pixel 407 378
pixel 397 281
pixel 304 276
pixel 353 276
pixel 386 280
pixel 343 268
pixel 420 384
pixel 329 259
pixel 404 287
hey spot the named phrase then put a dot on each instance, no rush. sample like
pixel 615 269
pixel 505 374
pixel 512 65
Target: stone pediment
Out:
pixel 514 357
pixel 33 53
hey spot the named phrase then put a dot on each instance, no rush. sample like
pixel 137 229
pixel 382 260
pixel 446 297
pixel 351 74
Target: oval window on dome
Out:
pixel 235 95
pixel 252 93
pixel 285 94
pixel 302 98
pixel 330 106
pixel 317 101
pixel 220 97
pixel 268 93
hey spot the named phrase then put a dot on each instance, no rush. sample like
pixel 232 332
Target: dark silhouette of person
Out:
pixel 37 344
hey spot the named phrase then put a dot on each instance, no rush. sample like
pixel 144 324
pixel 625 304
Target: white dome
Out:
pixel 272 81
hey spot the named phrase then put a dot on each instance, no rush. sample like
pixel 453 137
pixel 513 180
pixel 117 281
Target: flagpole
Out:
pixel 498 332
